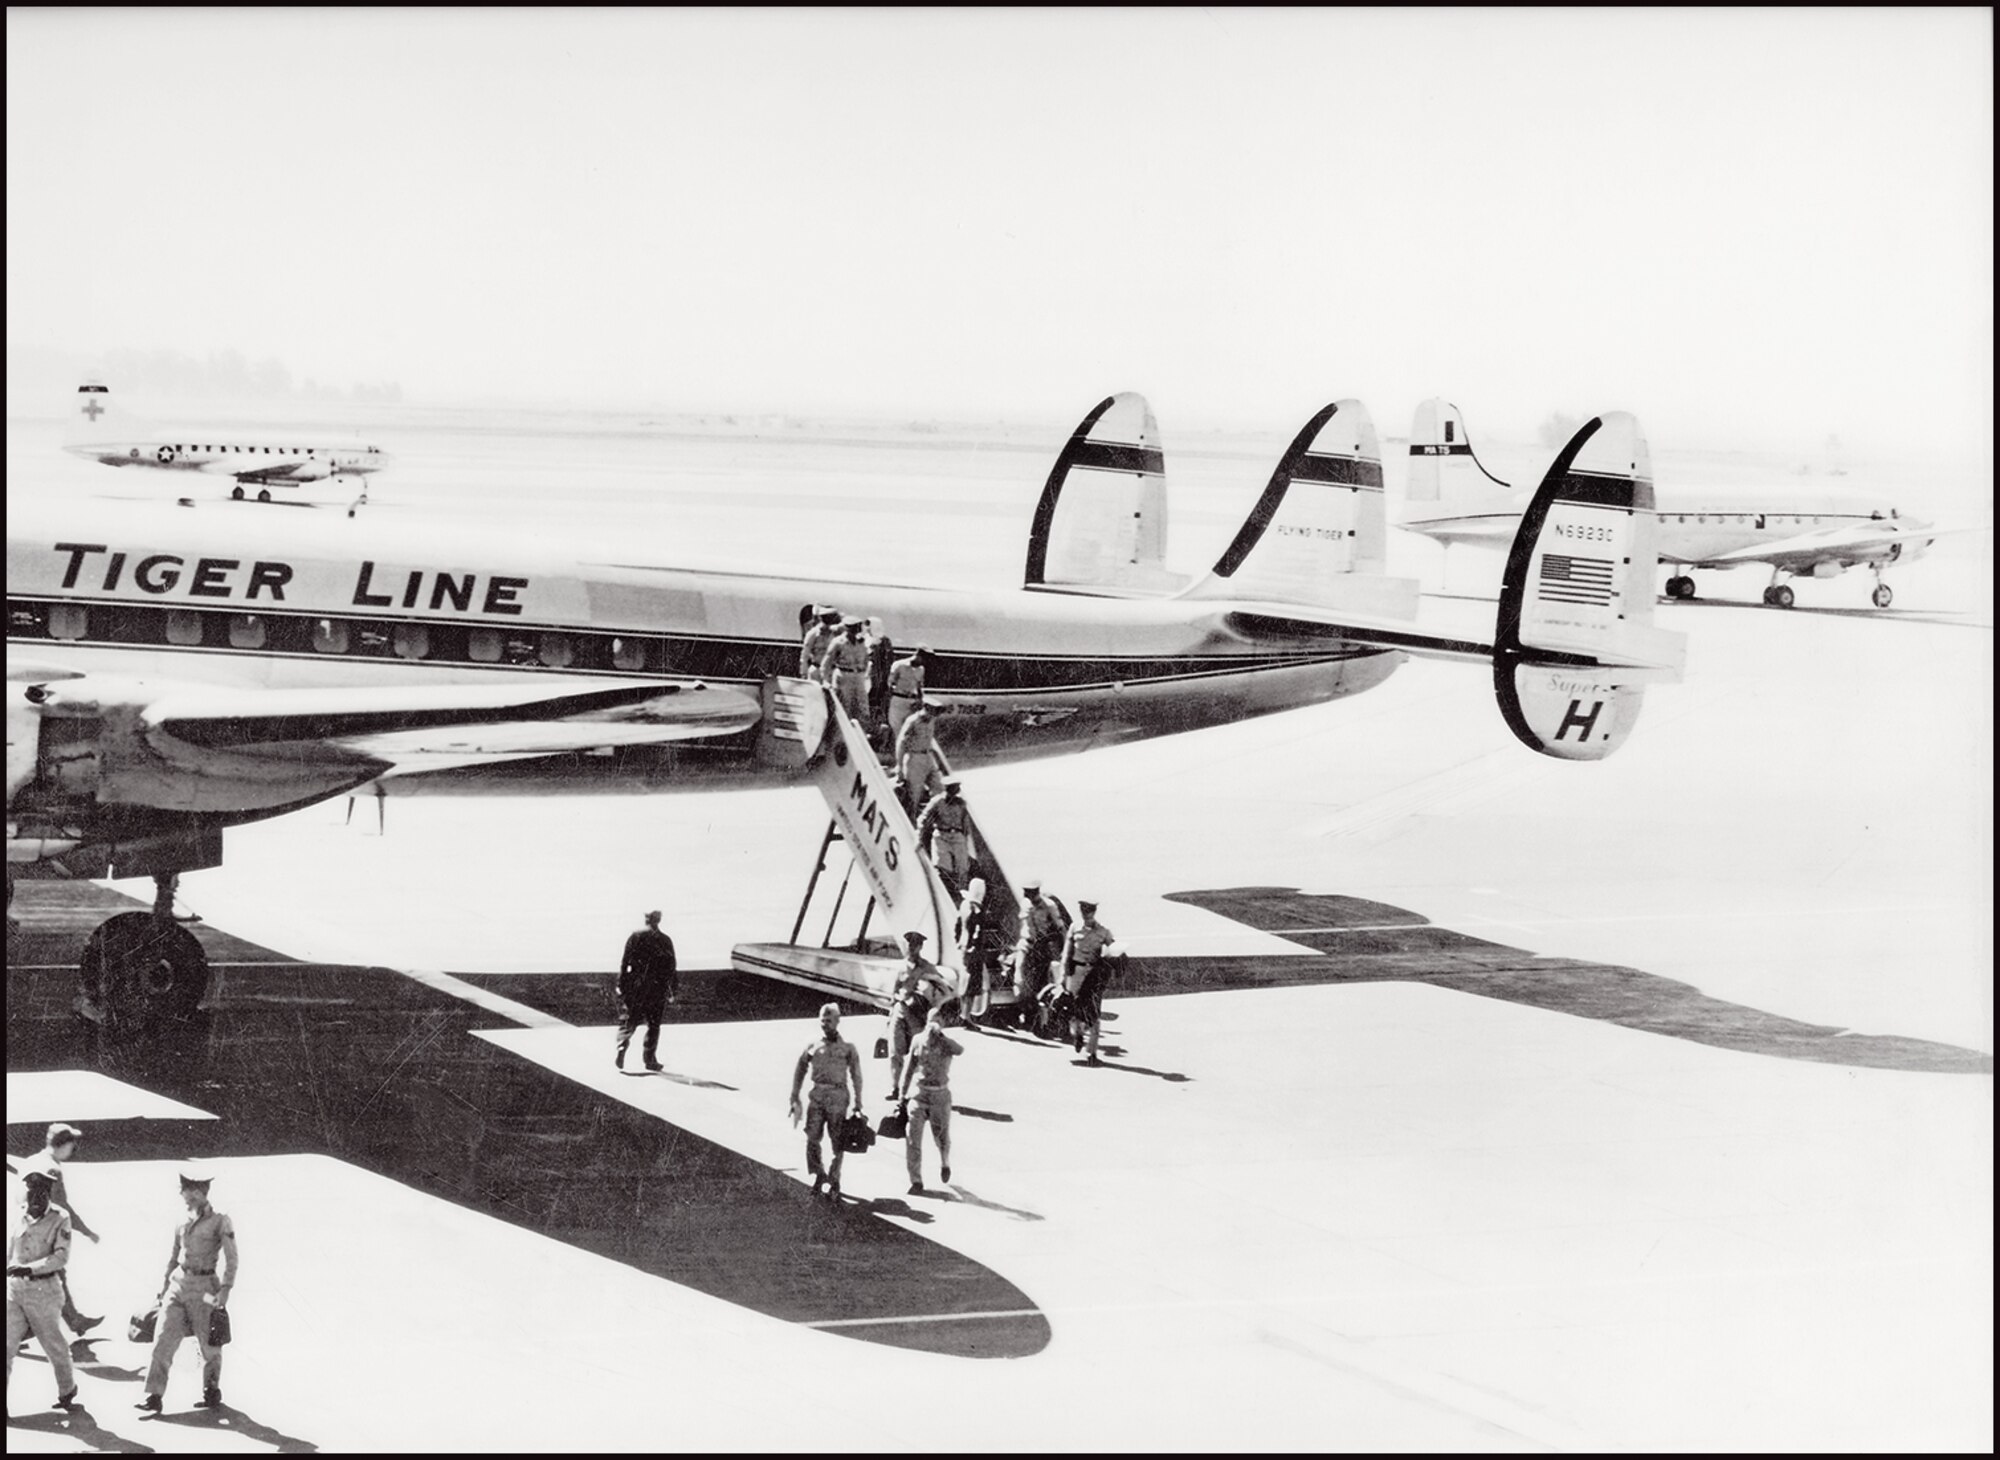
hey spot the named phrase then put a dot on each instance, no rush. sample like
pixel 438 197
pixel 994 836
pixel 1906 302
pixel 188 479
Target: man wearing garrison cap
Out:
pixel 37 1251
pixel 58 1147
pixel 200 1272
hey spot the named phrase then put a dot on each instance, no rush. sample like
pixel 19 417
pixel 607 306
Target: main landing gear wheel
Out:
pixel 236 494
pixel 1882 596
pixel 1680 586
pixel 137 968
pixel 264 495
pixel 1780 595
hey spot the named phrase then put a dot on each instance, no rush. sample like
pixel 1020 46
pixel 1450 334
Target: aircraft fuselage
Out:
pixel 203 596
pixel 274 465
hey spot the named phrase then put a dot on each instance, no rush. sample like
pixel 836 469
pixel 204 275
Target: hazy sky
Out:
pixel 1757 226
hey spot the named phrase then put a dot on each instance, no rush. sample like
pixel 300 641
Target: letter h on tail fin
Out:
pixel 1574 644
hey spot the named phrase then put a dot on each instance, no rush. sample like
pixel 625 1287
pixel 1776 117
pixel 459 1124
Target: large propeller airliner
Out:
pixel 175 671
pixel 1453 498
pixel 106 432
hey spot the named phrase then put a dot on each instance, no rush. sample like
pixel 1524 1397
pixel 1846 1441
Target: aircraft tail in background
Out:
pixel 1447 494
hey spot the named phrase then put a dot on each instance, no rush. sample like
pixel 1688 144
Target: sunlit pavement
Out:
pixel 1721 1179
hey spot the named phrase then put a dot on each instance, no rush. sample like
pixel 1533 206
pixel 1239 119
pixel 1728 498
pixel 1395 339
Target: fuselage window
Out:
pixel 413 641
pixel 183 626
pixel 485 645
pixel 555 650
pixel 246 631
pixel 628 653
pixel 330 636
pixel 68 621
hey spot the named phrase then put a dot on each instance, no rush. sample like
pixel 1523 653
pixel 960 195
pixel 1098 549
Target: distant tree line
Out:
pixel 1558 428
pixel 221 374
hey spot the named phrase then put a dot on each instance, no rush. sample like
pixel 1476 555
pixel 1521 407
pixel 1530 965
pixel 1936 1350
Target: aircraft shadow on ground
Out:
pixel 1372 942
pixel 389 1075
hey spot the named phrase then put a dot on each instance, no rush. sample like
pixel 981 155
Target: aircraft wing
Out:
pixel 1855 543
pixel 281 471
pixel 409 729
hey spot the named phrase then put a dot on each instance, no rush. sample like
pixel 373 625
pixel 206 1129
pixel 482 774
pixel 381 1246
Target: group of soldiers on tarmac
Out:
pixel 885 695
pixel 920 1047
pixel 201 1271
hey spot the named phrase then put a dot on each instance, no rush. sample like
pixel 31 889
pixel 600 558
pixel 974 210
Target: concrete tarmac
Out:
pixel 1458 1099
pixel 1332 1200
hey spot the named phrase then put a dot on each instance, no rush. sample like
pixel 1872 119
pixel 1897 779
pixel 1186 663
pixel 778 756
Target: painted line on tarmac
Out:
pixel 925 1318
pixel 1355 928
pixel 1495 1412
pixel 493 1003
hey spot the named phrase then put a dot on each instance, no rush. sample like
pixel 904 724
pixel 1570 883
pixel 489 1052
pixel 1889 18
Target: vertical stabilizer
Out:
pixel 1447 494
pixel 1574 642
pixel 1318 534
pixel 97 420
pixel 1102 519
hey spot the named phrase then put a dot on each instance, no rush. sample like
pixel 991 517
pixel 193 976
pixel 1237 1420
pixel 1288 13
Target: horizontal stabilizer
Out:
pixel 1574 643
pixel 1102 521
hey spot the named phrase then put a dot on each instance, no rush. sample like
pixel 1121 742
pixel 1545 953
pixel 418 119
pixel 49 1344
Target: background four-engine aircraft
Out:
pixel 106 432
pixel 1452 498
pixel 174 672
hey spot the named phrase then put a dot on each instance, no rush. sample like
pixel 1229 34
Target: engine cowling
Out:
pixel 93 741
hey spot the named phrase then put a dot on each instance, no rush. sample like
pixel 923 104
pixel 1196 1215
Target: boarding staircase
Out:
pixel 859 948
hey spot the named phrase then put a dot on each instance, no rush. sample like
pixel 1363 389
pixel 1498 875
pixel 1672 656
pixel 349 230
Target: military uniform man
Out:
pixel 37 1252
pixel 647 979
pixel 978 940
pixel 824 629
pixel 200 1272
pixel 929 1102
pixel 834 1064
pixel 944 828
pixel 919 774
pixel 845 666
pixel 1085 968
pixel 1040 941
pixel 919 986
pixel 906 687
pixel 57 1148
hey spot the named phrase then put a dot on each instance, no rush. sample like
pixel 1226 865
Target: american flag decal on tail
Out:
pixel 1568 579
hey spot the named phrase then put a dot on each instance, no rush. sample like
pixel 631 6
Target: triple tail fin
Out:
pixel 1318 534
pixel 1101 524
pixel 1574 642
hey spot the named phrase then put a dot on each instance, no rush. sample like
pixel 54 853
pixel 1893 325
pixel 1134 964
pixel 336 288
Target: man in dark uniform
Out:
pixel 647 980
